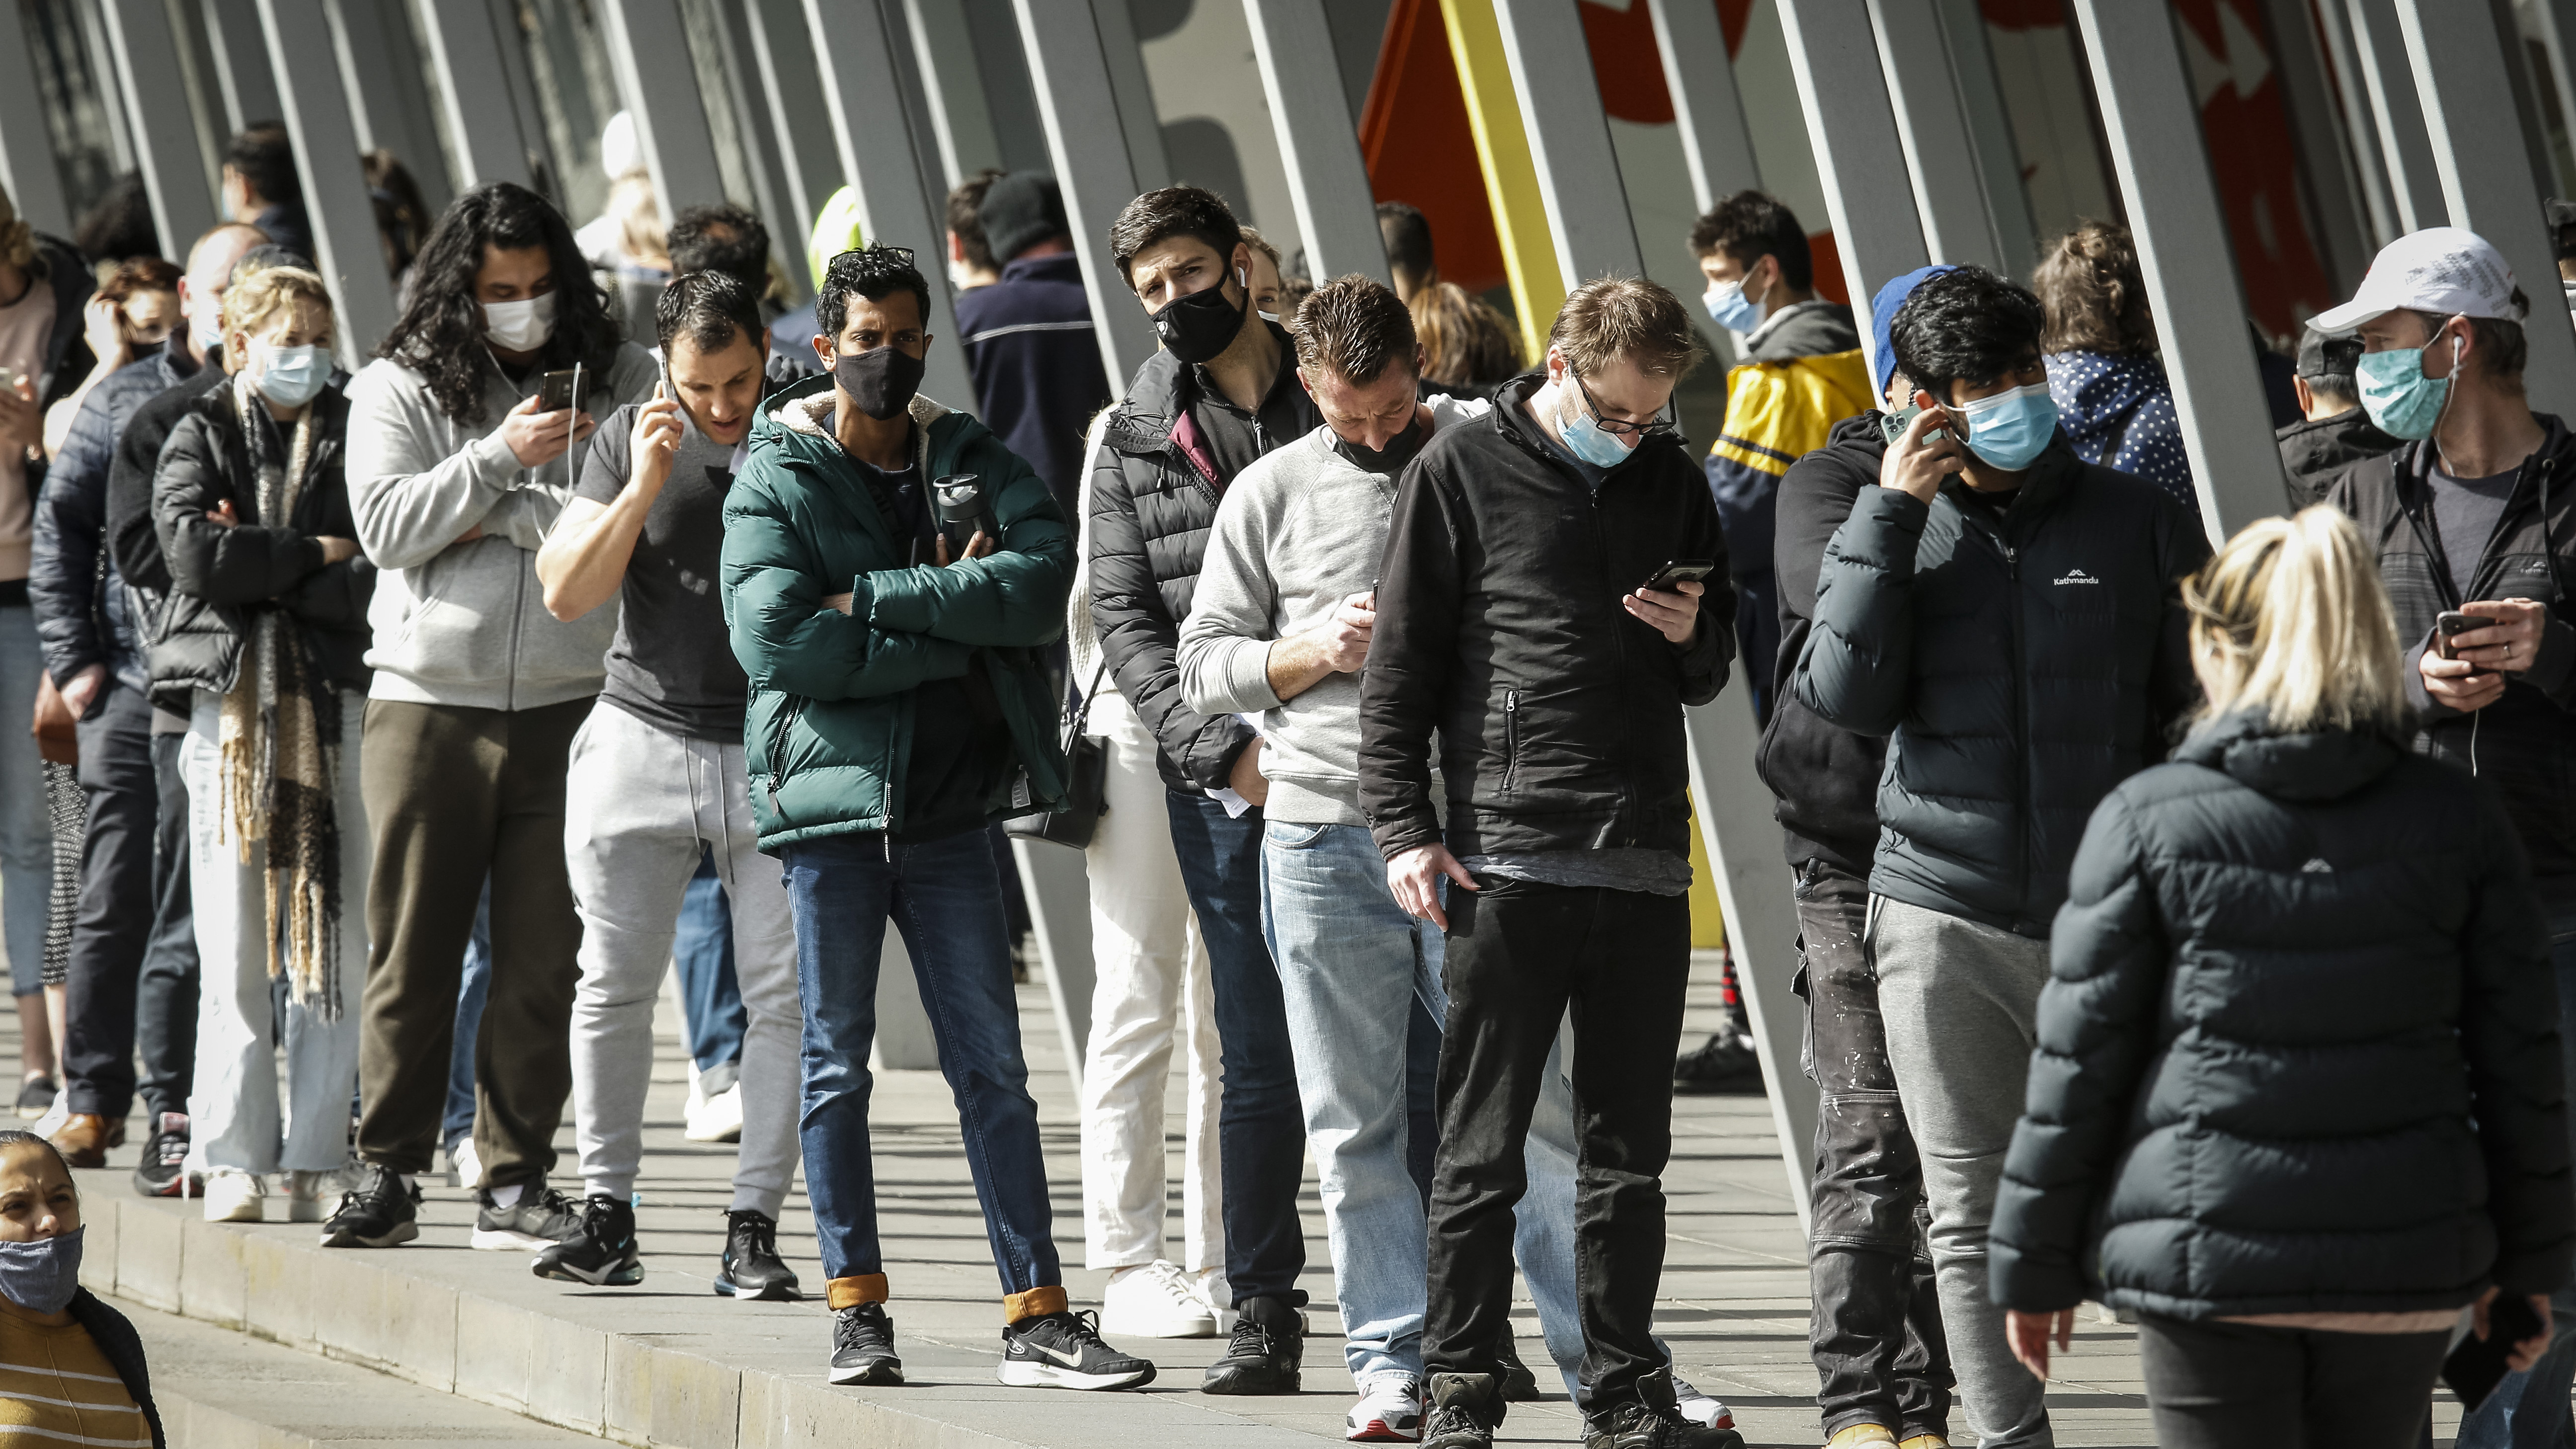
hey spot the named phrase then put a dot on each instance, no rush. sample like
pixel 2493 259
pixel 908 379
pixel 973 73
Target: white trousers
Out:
pixel 234 1116
pixel 1150 989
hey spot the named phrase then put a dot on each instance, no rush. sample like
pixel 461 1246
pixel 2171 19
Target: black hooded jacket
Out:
pixel 1153 498
pixel 2314 454
pixel 2022 667
pixel 1823 778
pixel 2525 742
pixel 1500 626
pixel 2298 1052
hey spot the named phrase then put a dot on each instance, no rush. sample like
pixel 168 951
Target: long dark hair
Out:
pixel 440 335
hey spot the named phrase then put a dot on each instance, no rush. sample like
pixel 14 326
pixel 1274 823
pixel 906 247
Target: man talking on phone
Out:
pixel 657 776
pixel 2009 616
pixel 1515 619
pixel 2475 516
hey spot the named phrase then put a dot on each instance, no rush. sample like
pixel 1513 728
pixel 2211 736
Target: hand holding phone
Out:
pixel 1693 570
pixel 1919 453
pixel 2452 622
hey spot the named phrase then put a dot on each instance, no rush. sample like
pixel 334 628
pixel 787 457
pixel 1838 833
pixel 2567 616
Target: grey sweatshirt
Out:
pixel 1298 532
pixel 466 623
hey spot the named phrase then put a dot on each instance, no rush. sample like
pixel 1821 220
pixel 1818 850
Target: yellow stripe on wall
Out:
pixel 1708 918
pixel 1511 178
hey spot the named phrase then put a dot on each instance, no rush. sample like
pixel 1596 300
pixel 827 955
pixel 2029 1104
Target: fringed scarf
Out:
pixel 281 751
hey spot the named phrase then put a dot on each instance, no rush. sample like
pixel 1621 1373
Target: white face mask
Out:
pixel 521 326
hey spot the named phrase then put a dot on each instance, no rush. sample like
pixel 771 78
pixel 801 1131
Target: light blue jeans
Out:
pixel 26 837
pixel 1351 964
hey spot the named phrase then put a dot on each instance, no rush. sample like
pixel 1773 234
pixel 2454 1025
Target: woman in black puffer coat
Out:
pixel 2297 1098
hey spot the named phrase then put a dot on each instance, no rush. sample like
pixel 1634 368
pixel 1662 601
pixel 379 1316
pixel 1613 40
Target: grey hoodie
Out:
pixel 466 623
pixel 1298 532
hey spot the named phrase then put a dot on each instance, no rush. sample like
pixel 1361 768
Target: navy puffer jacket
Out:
pixel 2299 1048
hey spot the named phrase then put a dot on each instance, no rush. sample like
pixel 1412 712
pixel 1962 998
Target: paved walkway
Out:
pixel 670 1363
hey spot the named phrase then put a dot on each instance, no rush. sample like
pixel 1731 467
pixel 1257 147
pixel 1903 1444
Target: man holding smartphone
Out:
pixel 1510 622
pixel 2474 520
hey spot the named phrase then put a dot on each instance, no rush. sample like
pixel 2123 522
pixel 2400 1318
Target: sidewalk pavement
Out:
pixel 668 1362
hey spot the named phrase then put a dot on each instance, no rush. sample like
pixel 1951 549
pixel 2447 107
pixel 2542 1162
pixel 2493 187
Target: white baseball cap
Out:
pixel 2442 269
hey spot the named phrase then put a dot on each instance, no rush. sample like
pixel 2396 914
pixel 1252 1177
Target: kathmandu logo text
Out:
pixel 2077 576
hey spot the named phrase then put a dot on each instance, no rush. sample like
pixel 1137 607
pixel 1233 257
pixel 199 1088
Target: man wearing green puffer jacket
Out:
pixel 897 707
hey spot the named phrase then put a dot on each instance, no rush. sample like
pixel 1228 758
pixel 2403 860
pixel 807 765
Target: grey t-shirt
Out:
pixel 671 664
pixel 2465 511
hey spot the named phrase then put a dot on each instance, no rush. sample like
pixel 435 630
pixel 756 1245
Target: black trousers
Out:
pixel 1519 955
pixel 2213 1385
pixel 165 998
pixel 1875 1325
pixel 114 919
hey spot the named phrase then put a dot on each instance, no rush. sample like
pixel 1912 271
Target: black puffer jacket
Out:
pixel 2314 454
pixel 1823 778
pixel 1153 498
pixel 2021 673
pixel 221 577
pixel 1500 626
pixel 2299 1048
pixel 2525 742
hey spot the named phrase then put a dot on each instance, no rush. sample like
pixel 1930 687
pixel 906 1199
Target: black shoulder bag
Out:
pixel 1086 782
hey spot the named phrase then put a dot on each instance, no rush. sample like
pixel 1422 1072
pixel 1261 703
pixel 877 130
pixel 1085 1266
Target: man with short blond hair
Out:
pixel 1553 660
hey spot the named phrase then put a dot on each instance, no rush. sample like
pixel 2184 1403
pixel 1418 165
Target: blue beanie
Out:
pixel 1882 317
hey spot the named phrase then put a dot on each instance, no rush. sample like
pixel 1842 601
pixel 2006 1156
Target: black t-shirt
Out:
pixel 960 743
pixel 671 664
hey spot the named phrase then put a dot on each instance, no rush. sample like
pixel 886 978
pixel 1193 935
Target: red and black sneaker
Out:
pixel 163 1172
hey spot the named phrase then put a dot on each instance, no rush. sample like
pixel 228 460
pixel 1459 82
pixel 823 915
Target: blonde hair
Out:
pixel 1465 342
pixel 263 294
pixel 2290 618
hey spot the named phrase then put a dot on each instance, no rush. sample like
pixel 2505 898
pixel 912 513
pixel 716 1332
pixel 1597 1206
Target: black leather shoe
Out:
pixel 1724 1064
pixel 1263 1356
pixel 751 1270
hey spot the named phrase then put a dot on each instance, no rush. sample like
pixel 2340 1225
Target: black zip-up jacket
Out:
pixel 2314 454
pixel 67 358
pixel 2020 670
pixel 1153 498
pixel 1500 626
pixel 1823 778
pixel 2525 742
pixel 131 540
pixel 222 577
pixel 2298 1052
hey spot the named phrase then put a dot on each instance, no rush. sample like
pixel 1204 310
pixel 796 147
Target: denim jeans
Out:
pixel 165 996
pixel 945 898
pixel 1261 1129
pixel 2529 1410
pixel 26 833
pixel 473 987
pixel 702 952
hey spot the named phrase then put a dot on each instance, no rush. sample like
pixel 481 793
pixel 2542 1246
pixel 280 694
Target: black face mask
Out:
pixel 1389 460
pixel 880 380
pixel 1197 327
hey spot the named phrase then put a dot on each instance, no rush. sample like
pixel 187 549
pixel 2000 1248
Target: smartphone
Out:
pixel 10 377
pixel 1680 570
pixel 559 390
pixel 2450 622
pixel 2477 1365
pixel 1893 425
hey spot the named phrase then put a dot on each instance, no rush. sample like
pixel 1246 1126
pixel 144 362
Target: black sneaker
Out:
pixel 377 1213
pixel 863 1346
pixel 751 1271
pixel 1064 1351
pixel 1263 1355
pixel 1654 1421
pixel 1466 1409
pixel 541 1218
pixel 36 1097
pixel 1520 1386
pixel 602 1254
pixel 1725 1063
pixel 163 1172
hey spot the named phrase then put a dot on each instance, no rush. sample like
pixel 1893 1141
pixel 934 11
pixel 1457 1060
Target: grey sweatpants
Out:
pixel 1960 1001
pixel 639 801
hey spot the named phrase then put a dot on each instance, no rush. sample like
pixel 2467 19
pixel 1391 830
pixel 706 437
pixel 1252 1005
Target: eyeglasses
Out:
pixel 1618 427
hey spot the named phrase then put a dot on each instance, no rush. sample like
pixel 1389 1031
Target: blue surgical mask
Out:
pixel 1584 437
pixel 2010 429
pixel 289 376
pixel 1728 308
pixel 2398 396
pixel 42 1275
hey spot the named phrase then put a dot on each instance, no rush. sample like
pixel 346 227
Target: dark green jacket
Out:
pixel 831 720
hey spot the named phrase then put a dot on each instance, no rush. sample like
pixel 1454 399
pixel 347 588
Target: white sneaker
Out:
pixel 55 1116
pixel 1208 1286
pixel 717 1119
pixel 1153 1300
pixel 468 1167
pixel 234 1196
pixel 1389 1410
pixel 310 1196
pixel 1699 1408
